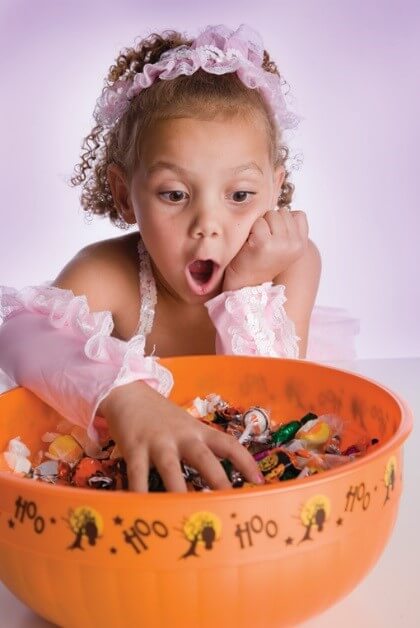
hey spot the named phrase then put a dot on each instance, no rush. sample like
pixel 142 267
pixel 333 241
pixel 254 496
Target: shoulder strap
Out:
pixel 148 294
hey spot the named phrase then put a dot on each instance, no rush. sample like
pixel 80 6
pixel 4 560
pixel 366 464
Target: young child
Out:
pixel 188 147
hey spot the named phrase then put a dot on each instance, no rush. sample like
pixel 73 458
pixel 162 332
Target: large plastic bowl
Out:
pixel 267 556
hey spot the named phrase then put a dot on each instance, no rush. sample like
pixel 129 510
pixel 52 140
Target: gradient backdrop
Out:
pixel 354 72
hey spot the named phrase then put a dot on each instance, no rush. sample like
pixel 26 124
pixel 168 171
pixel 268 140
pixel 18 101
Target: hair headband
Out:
pixel 217 50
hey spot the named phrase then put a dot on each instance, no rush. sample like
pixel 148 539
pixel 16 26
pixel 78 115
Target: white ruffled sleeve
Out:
pixel 252 321
pixel 53 345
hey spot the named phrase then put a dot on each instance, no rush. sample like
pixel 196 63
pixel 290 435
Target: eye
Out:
pixel 180 193
pixel 244 192
pixel 172 192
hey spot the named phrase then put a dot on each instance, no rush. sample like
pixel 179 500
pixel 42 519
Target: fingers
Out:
pixel 301 220
pixel 293 224
pixel 199 455
pixel 259 233
pixel 201 458
pixel 138 470
pixel 280 223
pixel 227 446
pixel 167 462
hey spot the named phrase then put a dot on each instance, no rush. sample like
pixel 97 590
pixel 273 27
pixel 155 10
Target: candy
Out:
pixel 287 432
pixel 64 471
pixel 293 449
pixel 17 447
pixel 47 470
pixel 17 456
pixel 291 472
pixel 314 432
pixel 85 469
pixel 18 464
pixel 275 473
pixel 272 460
pixel 257 418
pixel 66 448
pixel 155 481
pixel 101 482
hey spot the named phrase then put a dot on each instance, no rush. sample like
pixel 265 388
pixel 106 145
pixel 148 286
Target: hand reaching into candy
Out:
pixel 276 240
pixel 151 431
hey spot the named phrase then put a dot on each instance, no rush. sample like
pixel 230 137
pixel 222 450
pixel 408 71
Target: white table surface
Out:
pixel 390 595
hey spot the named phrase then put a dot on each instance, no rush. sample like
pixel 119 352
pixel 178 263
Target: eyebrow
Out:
pixel 251 165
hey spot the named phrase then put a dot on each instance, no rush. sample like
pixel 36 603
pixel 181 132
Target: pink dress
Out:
pixel 332 330
pixel 250 321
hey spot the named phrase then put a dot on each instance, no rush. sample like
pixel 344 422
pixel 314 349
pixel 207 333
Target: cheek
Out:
pixel 152 222
pixel 241 228
pixel 162 239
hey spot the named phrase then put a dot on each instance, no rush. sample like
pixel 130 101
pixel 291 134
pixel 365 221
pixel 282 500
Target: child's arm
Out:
pixel 56 340
pixel 152 430
pixel 301 280
pixel 53 344
pixel 251 318
pixel 252 321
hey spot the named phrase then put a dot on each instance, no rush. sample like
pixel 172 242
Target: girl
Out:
pixel 188 147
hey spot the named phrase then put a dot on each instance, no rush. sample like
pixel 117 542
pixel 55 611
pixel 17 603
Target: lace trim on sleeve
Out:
pixel 64 309
pixel 261 322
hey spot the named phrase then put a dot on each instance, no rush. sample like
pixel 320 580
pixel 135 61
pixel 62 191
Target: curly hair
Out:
pixel 201 95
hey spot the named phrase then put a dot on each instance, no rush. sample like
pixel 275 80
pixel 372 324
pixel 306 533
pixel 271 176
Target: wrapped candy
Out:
pixel 17 456
pixel 287 432
pixel 292 449
pixel 66 448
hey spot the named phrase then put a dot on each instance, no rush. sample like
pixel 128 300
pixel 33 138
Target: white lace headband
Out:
pixel 217 50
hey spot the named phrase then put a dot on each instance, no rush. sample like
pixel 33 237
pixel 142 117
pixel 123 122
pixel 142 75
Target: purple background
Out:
pixel 353 70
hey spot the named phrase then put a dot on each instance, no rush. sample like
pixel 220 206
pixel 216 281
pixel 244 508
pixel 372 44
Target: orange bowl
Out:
pixel 270 555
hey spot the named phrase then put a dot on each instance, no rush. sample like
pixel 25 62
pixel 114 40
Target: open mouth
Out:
pixel 202 275
pixel 201 270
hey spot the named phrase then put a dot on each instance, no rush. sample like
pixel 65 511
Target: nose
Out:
pixel 205 223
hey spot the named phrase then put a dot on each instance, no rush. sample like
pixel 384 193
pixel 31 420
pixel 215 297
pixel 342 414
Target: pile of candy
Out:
pixel 296 449
pixel 284 451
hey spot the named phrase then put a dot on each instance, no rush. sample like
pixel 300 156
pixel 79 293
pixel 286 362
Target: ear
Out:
pixel 278 179
pixel 120 193
pixel 279 176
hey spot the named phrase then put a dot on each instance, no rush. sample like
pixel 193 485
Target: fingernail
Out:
pixel 259 478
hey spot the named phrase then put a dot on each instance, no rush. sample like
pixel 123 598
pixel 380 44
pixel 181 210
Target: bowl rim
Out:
pixel 315 482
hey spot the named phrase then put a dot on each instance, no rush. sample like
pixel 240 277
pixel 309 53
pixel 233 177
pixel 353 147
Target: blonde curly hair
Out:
pixel 201 95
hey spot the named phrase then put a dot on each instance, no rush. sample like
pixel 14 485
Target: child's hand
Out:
pixel 150 431
pixel 275 241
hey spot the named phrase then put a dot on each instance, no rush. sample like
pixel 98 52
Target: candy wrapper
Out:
pixel 283 450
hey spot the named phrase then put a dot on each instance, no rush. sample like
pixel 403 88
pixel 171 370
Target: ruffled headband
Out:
pixel 217 50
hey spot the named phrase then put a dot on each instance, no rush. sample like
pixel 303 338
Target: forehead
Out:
pixel 192 143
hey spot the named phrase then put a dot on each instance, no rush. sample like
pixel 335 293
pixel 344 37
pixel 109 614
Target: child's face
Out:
pixel 204 212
